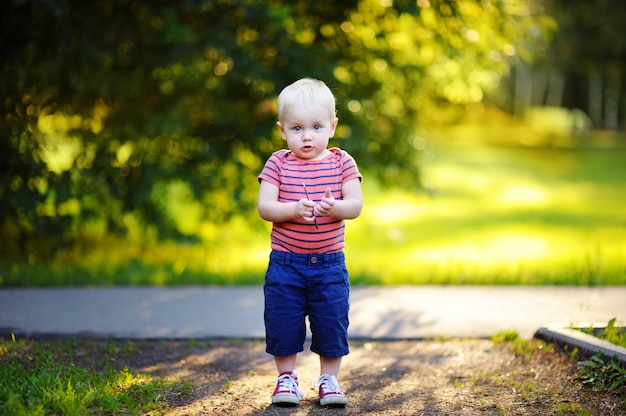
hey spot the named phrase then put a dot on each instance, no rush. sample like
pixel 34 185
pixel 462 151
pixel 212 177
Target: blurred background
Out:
pixel 491 134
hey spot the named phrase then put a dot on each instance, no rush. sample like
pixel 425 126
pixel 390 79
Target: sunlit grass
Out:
pixel 490 215
pixel 61 378
pixel 501 216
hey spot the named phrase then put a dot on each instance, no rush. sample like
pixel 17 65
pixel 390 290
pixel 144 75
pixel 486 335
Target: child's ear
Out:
pixel 282 130
pixel 333 126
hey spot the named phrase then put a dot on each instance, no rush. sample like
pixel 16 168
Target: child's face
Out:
pixel 306 131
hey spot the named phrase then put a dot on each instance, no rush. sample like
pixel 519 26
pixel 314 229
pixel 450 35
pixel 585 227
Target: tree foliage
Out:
pixel 589 52
pixel 120 112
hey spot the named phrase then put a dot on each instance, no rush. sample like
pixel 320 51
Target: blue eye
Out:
pixel 297 129
pixel 317 127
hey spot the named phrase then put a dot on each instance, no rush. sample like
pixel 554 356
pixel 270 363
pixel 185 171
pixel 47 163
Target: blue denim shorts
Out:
pixel 301 285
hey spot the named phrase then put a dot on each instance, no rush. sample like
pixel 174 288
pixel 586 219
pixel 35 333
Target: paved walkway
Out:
pixel 397 312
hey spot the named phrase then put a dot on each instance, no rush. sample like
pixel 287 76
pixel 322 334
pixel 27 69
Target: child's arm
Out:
pixel 348 207
pixel 270 209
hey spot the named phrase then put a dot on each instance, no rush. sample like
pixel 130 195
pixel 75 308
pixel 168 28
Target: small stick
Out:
pixel 307 197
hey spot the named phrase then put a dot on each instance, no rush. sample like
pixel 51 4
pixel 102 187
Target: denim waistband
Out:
pixel 311 259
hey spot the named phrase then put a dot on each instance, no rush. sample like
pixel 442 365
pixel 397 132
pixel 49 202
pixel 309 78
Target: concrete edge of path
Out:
pixel 587 345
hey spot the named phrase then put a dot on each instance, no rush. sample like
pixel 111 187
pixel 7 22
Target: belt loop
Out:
pixel 326 260
pixel 288 258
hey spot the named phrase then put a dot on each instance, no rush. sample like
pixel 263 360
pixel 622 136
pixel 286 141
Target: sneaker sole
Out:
pixel 336 401
pixel 285 400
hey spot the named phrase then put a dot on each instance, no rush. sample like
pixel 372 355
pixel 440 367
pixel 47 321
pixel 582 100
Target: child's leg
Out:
pixel 330 366
pixel 286 364
pixel 287 392
pixel 329 391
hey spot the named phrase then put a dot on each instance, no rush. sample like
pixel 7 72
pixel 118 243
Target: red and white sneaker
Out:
pixel 287 392
pixel 329 390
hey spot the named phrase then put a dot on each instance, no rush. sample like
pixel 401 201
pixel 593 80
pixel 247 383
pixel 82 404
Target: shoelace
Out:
pixel 288 382
pixel 327 383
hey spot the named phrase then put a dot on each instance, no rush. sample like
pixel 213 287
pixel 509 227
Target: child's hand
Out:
pixel 326 205
pixel 305 210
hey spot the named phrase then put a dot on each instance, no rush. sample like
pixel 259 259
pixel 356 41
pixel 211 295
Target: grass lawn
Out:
pixel 499 215
pixel 490 215
pixel 64 378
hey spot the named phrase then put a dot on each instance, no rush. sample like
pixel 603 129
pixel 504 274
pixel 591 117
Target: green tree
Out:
pixel 588 54
pixel 117 111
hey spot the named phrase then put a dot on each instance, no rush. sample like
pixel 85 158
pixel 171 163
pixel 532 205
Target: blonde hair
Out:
pixel 307 92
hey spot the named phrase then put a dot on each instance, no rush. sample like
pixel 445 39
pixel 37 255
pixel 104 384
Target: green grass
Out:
pixel 47 378
pixel 492 215
pixel 611 333
pixel 599 373
pixel 602 372
pixel 520 346
pixel 500 215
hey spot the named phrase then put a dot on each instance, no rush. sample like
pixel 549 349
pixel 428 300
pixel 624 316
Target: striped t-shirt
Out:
pixel 288 173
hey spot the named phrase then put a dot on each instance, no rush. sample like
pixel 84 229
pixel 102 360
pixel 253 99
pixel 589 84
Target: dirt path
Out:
pixel 456 377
